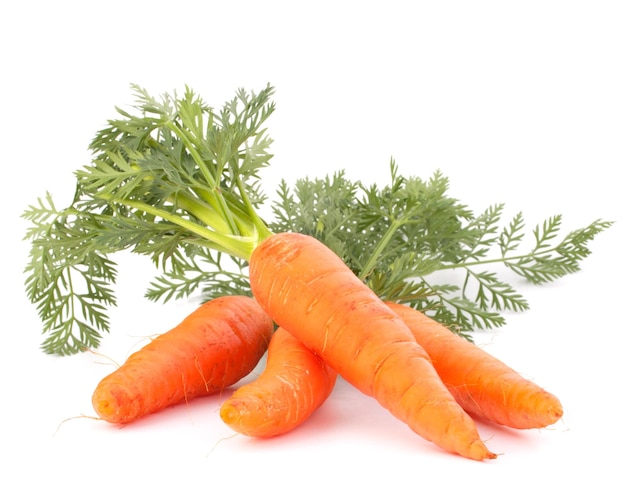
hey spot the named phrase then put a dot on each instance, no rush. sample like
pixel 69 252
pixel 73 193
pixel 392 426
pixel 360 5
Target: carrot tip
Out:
pixel 228 413
pixel 477 450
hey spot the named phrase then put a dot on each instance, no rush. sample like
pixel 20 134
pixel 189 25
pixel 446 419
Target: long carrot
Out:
pixel 483 385
pixel 212 348
pixel 309 291
pixel 293 385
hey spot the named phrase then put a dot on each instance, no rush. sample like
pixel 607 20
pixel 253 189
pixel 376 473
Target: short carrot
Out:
pixel 293 385
pixel 483 385
pixel 212 348
pixel 309 290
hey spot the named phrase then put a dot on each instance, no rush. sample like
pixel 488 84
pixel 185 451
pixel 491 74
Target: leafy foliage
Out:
pixel 179 182
pixel 175 181
pixel 206 271
pixel 399 236
pixel 67 278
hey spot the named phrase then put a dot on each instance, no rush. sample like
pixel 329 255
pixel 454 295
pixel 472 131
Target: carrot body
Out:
pixel 309 291
pixel 212 348
pixel 293 385
pixel 483 385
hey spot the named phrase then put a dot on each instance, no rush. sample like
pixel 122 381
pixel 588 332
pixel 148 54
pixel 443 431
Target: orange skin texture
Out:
pixel 212 348
pixel 483 385
pixel 293 385
pixel 308 290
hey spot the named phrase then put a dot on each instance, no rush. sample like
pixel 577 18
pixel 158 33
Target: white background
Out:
pixel 516 102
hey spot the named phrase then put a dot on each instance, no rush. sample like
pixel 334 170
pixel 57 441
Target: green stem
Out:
pixel 240 215
pixel 371 263
pixel 203 208
pixel 261 228
pixel 234 245
pixel 492 261
pixel 203 211
pixel 213 184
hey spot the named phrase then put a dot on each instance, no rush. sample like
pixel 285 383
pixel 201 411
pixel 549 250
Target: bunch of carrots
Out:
pixel 329 323
pixel 179 180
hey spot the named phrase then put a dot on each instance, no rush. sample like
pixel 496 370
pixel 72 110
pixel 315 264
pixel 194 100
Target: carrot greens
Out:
pixel 176 181
pixel 398 237
pixel 180 182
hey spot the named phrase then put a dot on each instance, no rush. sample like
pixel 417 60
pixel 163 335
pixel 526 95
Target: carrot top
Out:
pixel 180 182
pixel 396 237
pixel 175 180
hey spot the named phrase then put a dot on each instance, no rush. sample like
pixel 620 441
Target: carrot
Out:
pixel 293 385
pixel 211 349
pixel 313 294
pixel 483 385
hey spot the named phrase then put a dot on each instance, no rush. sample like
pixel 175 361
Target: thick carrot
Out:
pixel 483 385
pixel 293 385
pixel 211 349
pixel 309 291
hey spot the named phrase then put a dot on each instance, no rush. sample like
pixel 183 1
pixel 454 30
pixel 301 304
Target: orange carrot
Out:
pixel 483 385
pixel 211 349
pixel 309 291
pixel 293 385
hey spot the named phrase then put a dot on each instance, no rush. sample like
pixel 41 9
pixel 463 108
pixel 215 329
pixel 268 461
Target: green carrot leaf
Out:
pixel 170 179
pixel 178 181
pixel 400 237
